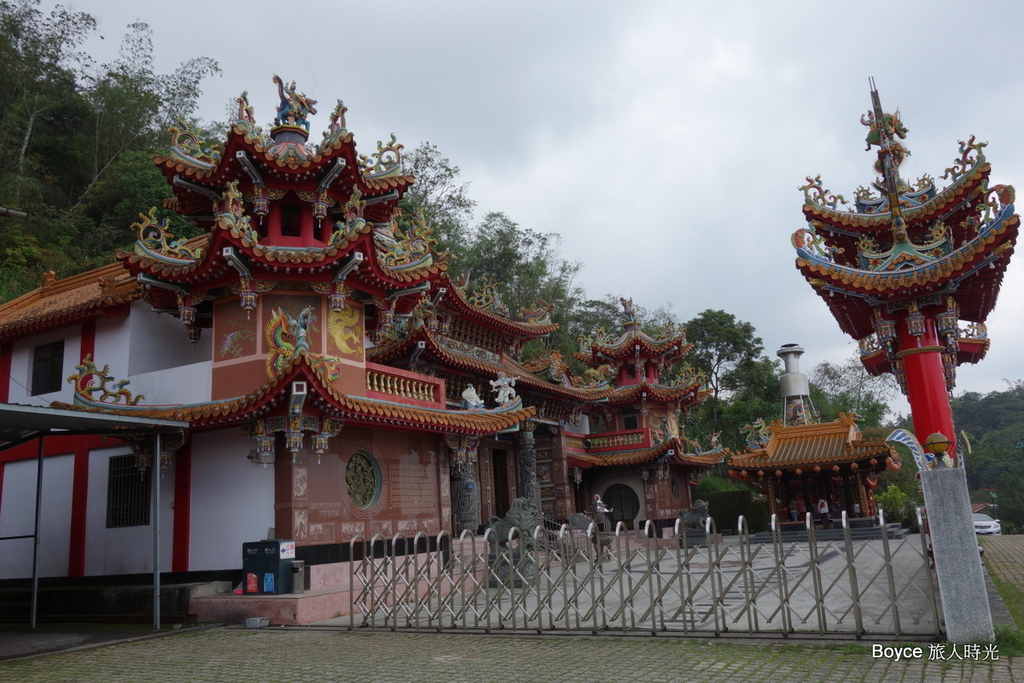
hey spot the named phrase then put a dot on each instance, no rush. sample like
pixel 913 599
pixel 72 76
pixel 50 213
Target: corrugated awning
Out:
pixel 21 423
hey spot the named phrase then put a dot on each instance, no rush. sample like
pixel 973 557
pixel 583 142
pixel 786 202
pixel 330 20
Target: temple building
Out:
pixel 635 452
pixel 798 460
pixel 336 381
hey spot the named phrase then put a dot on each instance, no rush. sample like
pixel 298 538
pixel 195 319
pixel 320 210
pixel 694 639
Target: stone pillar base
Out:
pixel 957 561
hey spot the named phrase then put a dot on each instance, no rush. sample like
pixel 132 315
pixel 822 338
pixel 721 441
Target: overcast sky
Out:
pixel 664 141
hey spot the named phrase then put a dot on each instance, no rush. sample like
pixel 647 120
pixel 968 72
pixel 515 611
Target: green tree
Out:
pixel 440 194
pixel 994 424
pixel 744 383
pixel 722 344
pixel 896 504
pixel 68 127
pixel 847 388
pixel 42 72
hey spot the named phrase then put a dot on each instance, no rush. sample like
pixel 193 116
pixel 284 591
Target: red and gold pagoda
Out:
pixel 635 451
pixel 905 265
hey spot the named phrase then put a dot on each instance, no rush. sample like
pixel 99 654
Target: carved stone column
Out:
pixel 528 486
pixel 465 487
pixel 465 500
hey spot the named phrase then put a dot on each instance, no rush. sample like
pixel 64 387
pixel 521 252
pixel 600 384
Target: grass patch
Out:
pixel 1009 640
pixel 1012 595
pixel 850 648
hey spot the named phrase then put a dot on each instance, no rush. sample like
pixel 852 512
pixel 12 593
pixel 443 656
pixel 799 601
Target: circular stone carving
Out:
pixel 362 479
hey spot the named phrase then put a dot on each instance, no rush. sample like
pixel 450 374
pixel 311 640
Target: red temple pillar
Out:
pixel 926 381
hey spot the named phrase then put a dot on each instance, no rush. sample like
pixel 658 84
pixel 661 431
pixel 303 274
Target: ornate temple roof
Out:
pixel 687 390
pixel 484 306
pixel 250 154
pixel 633 343
pixel 204 261
pixel 276 208
pixel 814 447
pixel 57 303
pixel 672 450
pixel 463 357
pixel 900 244
pixel 273 396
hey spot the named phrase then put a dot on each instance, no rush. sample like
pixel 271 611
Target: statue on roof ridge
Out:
pixel 628 309
pixel 295 107
pixel 504 387
pixel 891 124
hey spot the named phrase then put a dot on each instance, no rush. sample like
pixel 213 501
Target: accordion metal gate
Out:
pixel 572 581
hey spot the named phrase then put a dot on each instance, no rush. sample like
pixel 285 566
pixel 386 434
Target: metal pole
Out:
pixel 154 473
pixel 35 537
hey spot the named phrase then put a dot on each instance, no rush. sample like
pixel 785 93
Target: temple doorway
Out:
pixel 624 504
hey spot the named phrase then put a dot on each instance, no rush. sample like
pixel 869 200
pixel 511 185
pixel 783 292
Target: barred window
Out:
pixel 47 368
pixel 128 493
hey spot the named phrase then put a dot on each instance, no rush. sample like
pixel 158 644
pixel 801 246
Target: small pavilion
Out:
pixel 796 460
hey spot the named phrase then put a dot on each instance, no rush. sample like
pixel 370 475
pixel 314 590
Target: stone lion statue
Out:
pixel 695 518
pixel 522 515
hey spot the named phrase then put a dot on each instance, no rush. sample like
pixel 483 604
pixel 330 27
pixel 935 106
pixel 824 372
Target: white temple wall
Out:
pixel 232 499
pixel 17 516
pixel 123 550
pixel 112 344
pixel 158 342
pixel 174 386
pixel 23 351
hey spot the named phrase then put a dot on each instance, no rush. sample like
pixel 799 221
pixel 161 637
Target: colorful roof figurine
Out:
pixel 902 248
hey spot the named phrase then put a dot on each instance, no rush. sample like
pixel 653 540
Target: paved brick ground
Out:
pixel 1004 556
pixel 317 654
pixel 297 654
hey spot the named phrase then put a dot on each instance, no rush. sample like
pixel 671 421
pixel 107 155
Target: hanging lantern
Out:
pixel 248 291
pixel 260 202
pixel 186 308
pixel 885 330
pixel 947 322
pixel 915 321
pixel 331 427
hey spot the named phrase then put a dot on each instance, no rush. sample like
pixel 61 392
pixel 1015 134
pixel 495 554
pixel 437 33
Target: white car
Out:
pixel 985 525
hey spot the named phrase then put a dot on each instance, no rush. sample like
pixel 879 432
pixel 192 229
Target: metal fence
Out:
pixel 576 581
